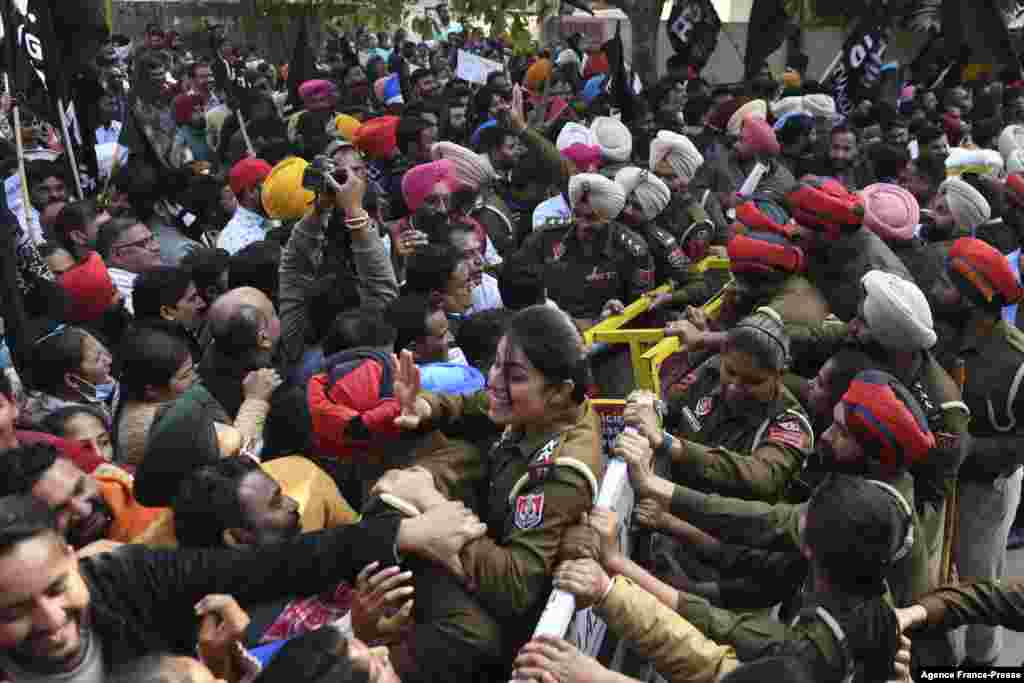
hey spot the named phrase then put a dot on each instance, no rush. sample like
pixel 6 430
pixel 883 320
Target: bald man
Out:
pixel 244 331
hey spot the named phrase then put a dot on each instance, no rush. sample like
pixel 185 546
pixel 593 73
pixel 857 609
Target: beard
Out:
pixel 430 221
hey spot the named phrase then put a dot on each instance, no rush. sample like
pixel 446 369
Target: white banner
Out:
pixel 474 68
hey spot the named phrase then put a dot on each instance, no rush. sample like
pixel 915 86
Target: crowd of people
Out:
pixel 300 391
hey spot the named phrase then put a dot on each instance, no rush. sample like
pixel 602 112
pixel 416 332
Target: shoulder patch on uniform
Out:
pixel 540 462
pixel 704 406
pixel 529 513
pixel 790 432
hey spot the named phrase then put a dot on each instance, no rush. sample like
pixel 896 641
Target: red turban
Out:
pixel 762 252
pixel 764 215
pixel 886 421
pixel 719 118
pixel 247 174
pixel 826 205
pixel 418 181
pixel 378 137
pixel 758 136
pixel 89 287
pixel 983 273
pixel 1015 189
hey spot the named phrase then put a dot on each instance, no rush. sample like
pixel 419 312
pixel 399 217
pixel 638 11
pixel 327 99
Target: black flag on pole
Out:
pixel 693 28
pixel 766 31
pixel 34 56
pixel 860 62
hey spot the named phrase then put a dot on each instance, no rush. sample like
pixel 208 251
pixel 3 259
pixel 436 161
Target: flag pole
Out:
pixel 832 65
pixel 69 147
pixel 245 132
pixel 20 149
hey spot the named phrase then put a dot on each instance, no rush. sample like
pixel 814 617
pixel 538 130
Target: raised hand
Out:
pixel 382 605
pixel 407 389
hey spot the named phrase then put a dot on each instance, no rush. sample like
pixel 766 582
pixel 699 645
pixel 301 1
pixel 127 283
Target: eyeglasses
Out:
pixel 145 242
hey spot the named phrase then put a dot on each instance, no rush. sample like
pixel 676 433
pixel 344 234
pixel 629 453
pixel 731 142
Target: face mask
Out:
pixel 100 392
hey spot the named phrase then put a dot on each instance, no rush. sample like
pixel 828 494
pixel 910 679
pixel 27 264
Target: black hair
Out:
pixel 319 656
pixel 853 528
pixel 56 423
pixel 74 216
pixel 361 327
pixel 521 284
pixel 238 334
pixel 493 137
pixel 52 356
pixel 929 133
pixel 479 334
pixel 5 386
pixel 208 503
pixel 207 265
pixel 143 185
pixel 843 129
pixel 888 159
pixel 195 65
pixel 150 355
pixel 408 315
pixel 932 169
pixel 256 265
pixel 111 232
pixel 154 289
pixel 40 170
pixel 847 363
pixel 430 268
pixel 763 337
pixel 22 467
pixel 22 518
pixel 551 343
pixel 408 131
pixel 419 75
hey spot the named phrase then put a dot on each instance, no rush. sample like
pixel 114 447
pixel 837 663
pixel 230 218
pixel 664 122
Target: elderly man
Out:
pixel 129 248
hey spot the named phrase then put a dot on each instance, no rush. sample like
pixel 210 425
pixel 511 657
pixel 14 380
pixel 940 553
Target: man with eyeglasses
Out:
pixel 129 248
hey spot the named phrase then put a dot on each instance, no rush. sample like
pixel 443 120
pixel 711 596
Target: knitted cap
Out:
pixel 679 151
pixel 762 252
pixel 89 287
pixel 471 169
pixel 614 138
pixel 886 421
pixel 418 181
pixel 890 212
pixel 897 313
pixel 650 191
pixel 968 206
pixel 602 193
pixel 247 174
pixel 538 73
pixel 982 273
pixel 283 196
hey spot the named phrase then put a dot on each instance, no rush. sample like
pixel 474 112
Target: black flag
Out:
pixel 860 62
pixel 767 30
pixel 693 28
pixel 980 26
pixel 302 67
pixel 33 57
pixel 619 85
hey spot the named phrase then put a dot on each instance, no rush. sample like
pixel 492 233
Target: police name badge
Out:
pixel 529 511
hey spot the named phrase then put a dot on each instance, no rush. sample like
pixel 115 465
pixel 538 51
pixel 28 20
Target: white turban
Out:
pixel 968 206
pixel 680 153
pixel 650 191
pixel 1011 146
pixel 788 105
pixel 820 106
pixel 614 138
pixel 567 56
pixel 471 169
pixel 897 312
pixel 604 194
pixel 984 162
pixel 574 133
pixel 756 108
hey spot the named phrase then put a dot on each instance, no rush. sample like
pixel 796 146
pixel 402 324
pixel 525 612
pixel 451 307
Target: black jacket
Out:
pixel 142 600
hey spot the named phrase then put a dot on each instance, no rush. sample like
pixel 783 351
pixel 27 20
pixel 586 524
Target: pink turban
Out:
pixel 418 181
pixel 890 212
pixel 584 156
pixel 759 137
pixel 318 95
